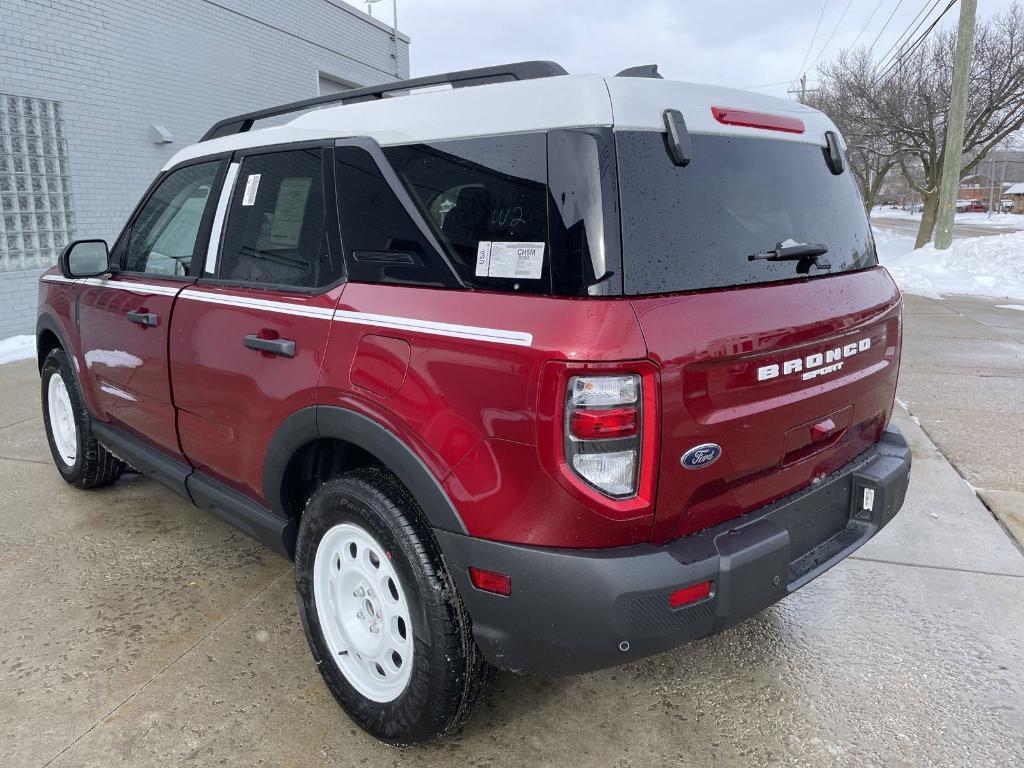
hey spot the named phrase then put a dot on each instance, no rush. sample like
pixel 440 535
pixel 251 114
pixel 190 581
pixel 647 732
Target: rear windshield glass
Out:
pixel 693 227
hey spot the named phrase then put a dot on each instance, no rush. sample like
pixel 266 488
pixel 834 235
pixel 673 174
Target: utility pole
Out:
pixel 991 182
pixel 952 155
pixel 394 36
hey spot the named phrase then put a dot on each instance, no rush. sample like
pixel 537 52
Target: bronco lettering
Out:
pixel 812 363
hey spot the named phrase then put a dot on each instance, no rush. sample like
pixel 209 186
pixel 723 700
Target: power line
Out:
pixel 884 26
pixel 866 23
pixel 765 85
pixel 899 43
pixel 813 38
pixel 884 76
pixel 834 30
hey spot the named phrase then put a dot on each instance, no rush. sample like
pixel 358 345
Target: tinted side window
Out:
pixel 382 242
pixel 276 223
pixel 488 193
pixel 164 235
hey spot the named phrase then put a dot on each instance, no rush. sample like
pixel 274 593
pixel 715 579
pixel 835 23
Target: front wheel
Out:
pixel 381 614
pixel 80 458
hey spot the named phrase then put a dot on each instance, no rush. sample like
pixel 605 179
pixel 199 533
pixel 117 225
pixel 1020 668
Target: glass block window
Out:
pixel 36 210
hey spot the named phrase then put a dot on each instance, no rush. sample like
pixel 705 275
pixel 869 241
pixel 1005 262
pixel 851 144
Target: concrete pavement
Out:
pixel 963 377
pixel 140 631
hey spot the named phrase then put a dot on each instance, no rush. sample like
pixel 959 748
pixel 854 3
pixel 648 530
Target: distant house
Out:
pixel 1015 193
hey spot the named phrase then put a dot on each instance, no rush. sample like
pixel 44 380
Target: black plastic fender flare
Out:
pixel 323 421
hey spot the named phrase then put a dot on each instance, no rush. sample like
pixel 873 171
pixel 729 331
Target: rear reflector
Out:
pixel 608 422
pixel 690 594
pixel 728 116
pixel 489 581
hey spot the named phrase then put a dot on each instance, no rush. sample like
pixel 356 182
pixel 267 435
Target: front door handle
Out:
pixel 148 319
pixel 281 347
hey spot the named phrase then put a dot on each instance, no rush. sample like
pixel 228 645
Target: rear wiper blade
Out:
pixel 806 253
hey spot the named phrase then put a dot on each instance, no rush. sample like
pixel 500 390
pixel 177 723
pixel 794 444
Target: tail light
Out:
pixel 603 418
pixel 598 434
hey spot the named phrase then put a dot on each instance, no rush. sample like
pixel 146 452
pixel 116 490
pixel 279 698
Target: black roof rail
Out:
pixel 523 70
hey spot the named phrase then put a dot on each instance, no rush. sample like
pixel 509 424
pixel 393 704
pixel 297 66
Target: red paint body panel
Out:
pixel 126 363
pixel 230 398
pixel 486 418
pixel 459 392
pixel 57 302
pixel 380 364
pixel 709 347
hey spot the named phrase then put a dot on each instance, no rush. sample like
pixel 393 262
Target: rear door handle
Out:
pixel 148 319
pixel 281 347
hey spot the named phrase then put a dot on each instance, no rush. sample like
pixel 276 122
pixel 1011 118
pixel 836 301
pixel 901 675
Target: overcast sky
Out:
pixel 740 43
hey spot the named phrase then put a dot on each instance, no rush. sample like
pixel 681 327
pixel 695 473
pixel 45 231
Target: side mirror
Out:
pixel 85 258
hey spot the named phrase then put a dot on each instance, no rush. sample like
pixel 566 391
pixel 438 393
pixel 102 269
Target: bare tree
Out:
pixel 903 109
pixel 844 96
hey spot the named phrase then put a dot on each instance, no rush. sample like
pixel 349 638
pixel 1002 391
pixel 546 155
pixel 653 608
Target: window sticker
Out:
pixel 252 184
pixel 516 260
pixel 289 211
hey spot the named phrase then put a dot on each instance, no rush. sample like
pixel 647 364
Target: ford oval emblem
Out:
pixel 701 456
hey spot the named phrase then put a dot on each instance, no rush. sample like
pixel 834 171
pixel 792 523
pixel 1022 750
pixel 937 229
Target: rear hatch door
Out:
pixel 788 367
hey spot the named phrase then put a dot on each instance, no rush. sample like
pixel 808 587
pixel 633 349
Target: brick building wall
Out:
pixel 115 69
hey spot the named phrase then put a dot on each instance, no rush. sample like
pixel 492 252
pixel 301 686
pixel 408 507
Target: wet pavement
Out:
pixel 963 378
pixel 139 631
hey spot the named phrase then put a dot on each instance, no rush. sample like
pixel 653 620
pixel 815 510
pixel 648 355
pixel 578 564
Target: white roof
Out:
pixel 1015 189
pixel 568 101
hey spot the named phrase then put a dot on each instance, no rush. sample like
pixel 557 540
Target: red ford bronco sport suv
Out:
pixel 537 371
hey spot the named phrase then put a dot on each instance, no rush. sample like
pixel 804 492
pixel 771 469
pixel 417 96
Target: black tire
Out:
pixel 449 671
pixel 94 465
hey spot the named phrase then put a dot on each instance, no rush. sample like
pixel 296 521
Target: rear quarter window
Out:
pixel 473 191
pixel 692 228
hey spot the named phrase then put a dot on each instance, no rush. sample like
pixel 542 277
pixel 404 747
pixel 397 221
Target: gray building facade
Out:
pixel 96 95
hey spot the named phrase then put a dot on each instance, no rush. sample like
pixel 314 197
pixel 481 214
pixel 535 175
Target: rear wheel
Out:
pixel 381 614
pixel 78 455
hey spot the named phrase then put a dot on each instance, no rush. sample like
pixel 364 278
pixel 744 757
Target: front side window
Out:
pixel 164 236
pixel 276 223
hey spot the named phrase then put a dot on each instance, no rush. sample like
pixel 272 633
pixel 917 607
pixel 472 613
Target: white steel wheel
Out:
pixel 63 425
pixel 363 612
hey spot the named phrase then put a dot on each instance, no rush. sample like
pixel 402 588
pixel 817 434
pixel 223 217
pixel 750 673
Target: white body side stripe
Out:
pixel 134 287
pixel 474 333
pixel 246 302
pixel 494 335
pixel 99 282
pixel 451 330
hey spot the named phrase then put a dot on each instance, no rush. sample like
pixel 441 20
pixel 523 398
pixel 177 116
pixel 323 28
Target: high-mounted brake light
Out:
pixel 729 116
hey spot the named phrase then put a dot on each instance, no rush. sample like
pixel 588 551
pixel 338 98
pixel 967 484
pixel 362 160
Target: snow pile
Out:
pixel 977 219
pixel 976 266
pixel 17 348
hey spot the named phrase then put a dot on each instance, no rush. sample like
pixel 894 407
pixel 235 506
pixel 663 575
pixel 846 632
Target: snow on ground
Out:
pixel 975 266
pixel 1011 306
pixel 17 348
pixel 1004 220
